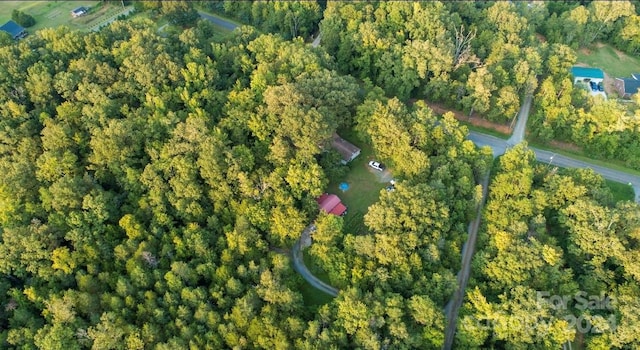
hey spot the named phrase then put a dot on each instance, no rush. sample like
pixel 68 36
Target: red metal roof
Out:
pixel 331 204
pixel 338 209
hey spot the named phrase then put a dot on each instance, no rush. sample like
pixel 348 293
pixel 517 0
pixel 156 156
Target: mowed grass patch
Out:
pixel 312 296
pixel 480 129
pixel 615 63
pixel 620 191
pixel 364 187
pixel 50 14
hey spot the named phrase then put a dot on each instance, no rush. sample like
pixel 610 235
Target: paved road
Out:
pixel 316 42
pixel 451 310
pixel 499 146
pixel 218 21
pixel 518 131
pixel 298 265
pixel 112 19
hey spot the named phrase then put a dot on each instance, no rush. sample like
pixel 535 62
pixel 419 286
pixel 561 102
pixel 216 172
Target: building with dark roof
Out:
pixel 80 11
pixel 330 203
pixel 626 87
pixel 14 29
pixel 347 150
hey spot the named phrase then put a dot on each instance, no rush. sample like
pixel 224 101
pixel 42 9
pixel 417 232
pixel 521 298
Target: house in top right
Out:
pixel 626 87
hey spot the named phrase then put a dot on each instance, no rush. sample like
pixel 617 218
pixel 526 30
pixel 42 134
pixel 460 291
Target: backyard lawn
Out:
pixel 615 63
pixel 49 14
pixel 364 187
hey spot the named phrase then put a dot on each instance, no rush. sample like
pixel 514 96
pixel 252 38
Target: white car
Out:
pixel 376 165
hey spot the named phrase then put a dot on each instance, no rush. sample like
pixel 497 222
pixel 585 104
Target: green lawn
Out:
pixel 615 64
pixel 49 14
pixel 364 190
pixel 620 191
pixel 313 297
pixel 489 131
pixel 364 187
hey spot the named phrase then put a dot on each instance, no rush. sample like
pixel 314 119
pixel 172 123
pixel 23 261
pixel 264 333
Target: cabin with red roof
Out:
pixel 330 203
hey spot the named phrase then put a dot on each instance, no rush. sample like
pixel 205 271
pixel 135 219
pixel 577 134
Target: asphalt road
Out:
pixel 299 266
pixel 218 21
pixel 518 131
pixel 499 146
pixel 316 41
pixel 452 308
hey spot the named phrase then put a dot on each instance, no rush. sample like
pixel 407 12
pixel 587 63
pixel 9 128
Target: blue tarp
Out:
pixel 586 72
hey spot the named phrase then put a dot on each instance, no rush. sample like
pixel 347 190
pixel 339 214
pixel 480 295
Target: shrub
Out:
pixel 23 19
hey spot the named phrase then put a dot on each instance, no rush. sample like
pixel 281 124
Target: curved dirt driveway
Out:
pixel 299 266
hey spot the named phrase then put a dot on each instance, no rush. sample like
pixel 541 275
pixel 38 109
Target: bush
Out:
pixel 23 19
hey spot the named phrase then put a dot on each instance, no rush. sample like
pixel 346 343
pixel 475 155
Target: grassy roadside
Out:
pixel 218 16
pixel 221 33
pixel 488 131
pixel 620 191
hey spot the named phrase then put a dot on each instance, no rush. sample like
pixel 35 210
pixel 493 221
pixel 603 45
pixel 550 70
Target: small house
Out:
pixel 586 75
pixel 80 11
pixel 347 150
pixel 14 29
pixel 627 86
pixel 331 204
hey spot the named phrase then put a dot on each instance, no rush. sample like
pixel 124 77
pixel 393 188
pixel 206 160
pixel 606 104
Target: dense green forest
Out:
pixel 554 232
pixel 484 57
pixel 153 185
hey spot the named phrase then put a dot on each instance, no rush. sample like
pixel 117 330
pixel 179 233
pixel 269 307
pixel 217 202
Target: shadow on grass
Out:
pixel 314 298
pixel 620 191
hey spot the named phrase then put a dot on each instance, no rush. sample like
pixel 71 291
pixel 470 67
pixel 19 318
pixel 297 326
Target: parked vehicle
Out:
pixel 376 165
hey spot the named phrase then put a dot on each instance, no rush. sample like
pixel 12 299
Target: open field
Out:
pixel 615 63
pixel 49 14
pixel 364 187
